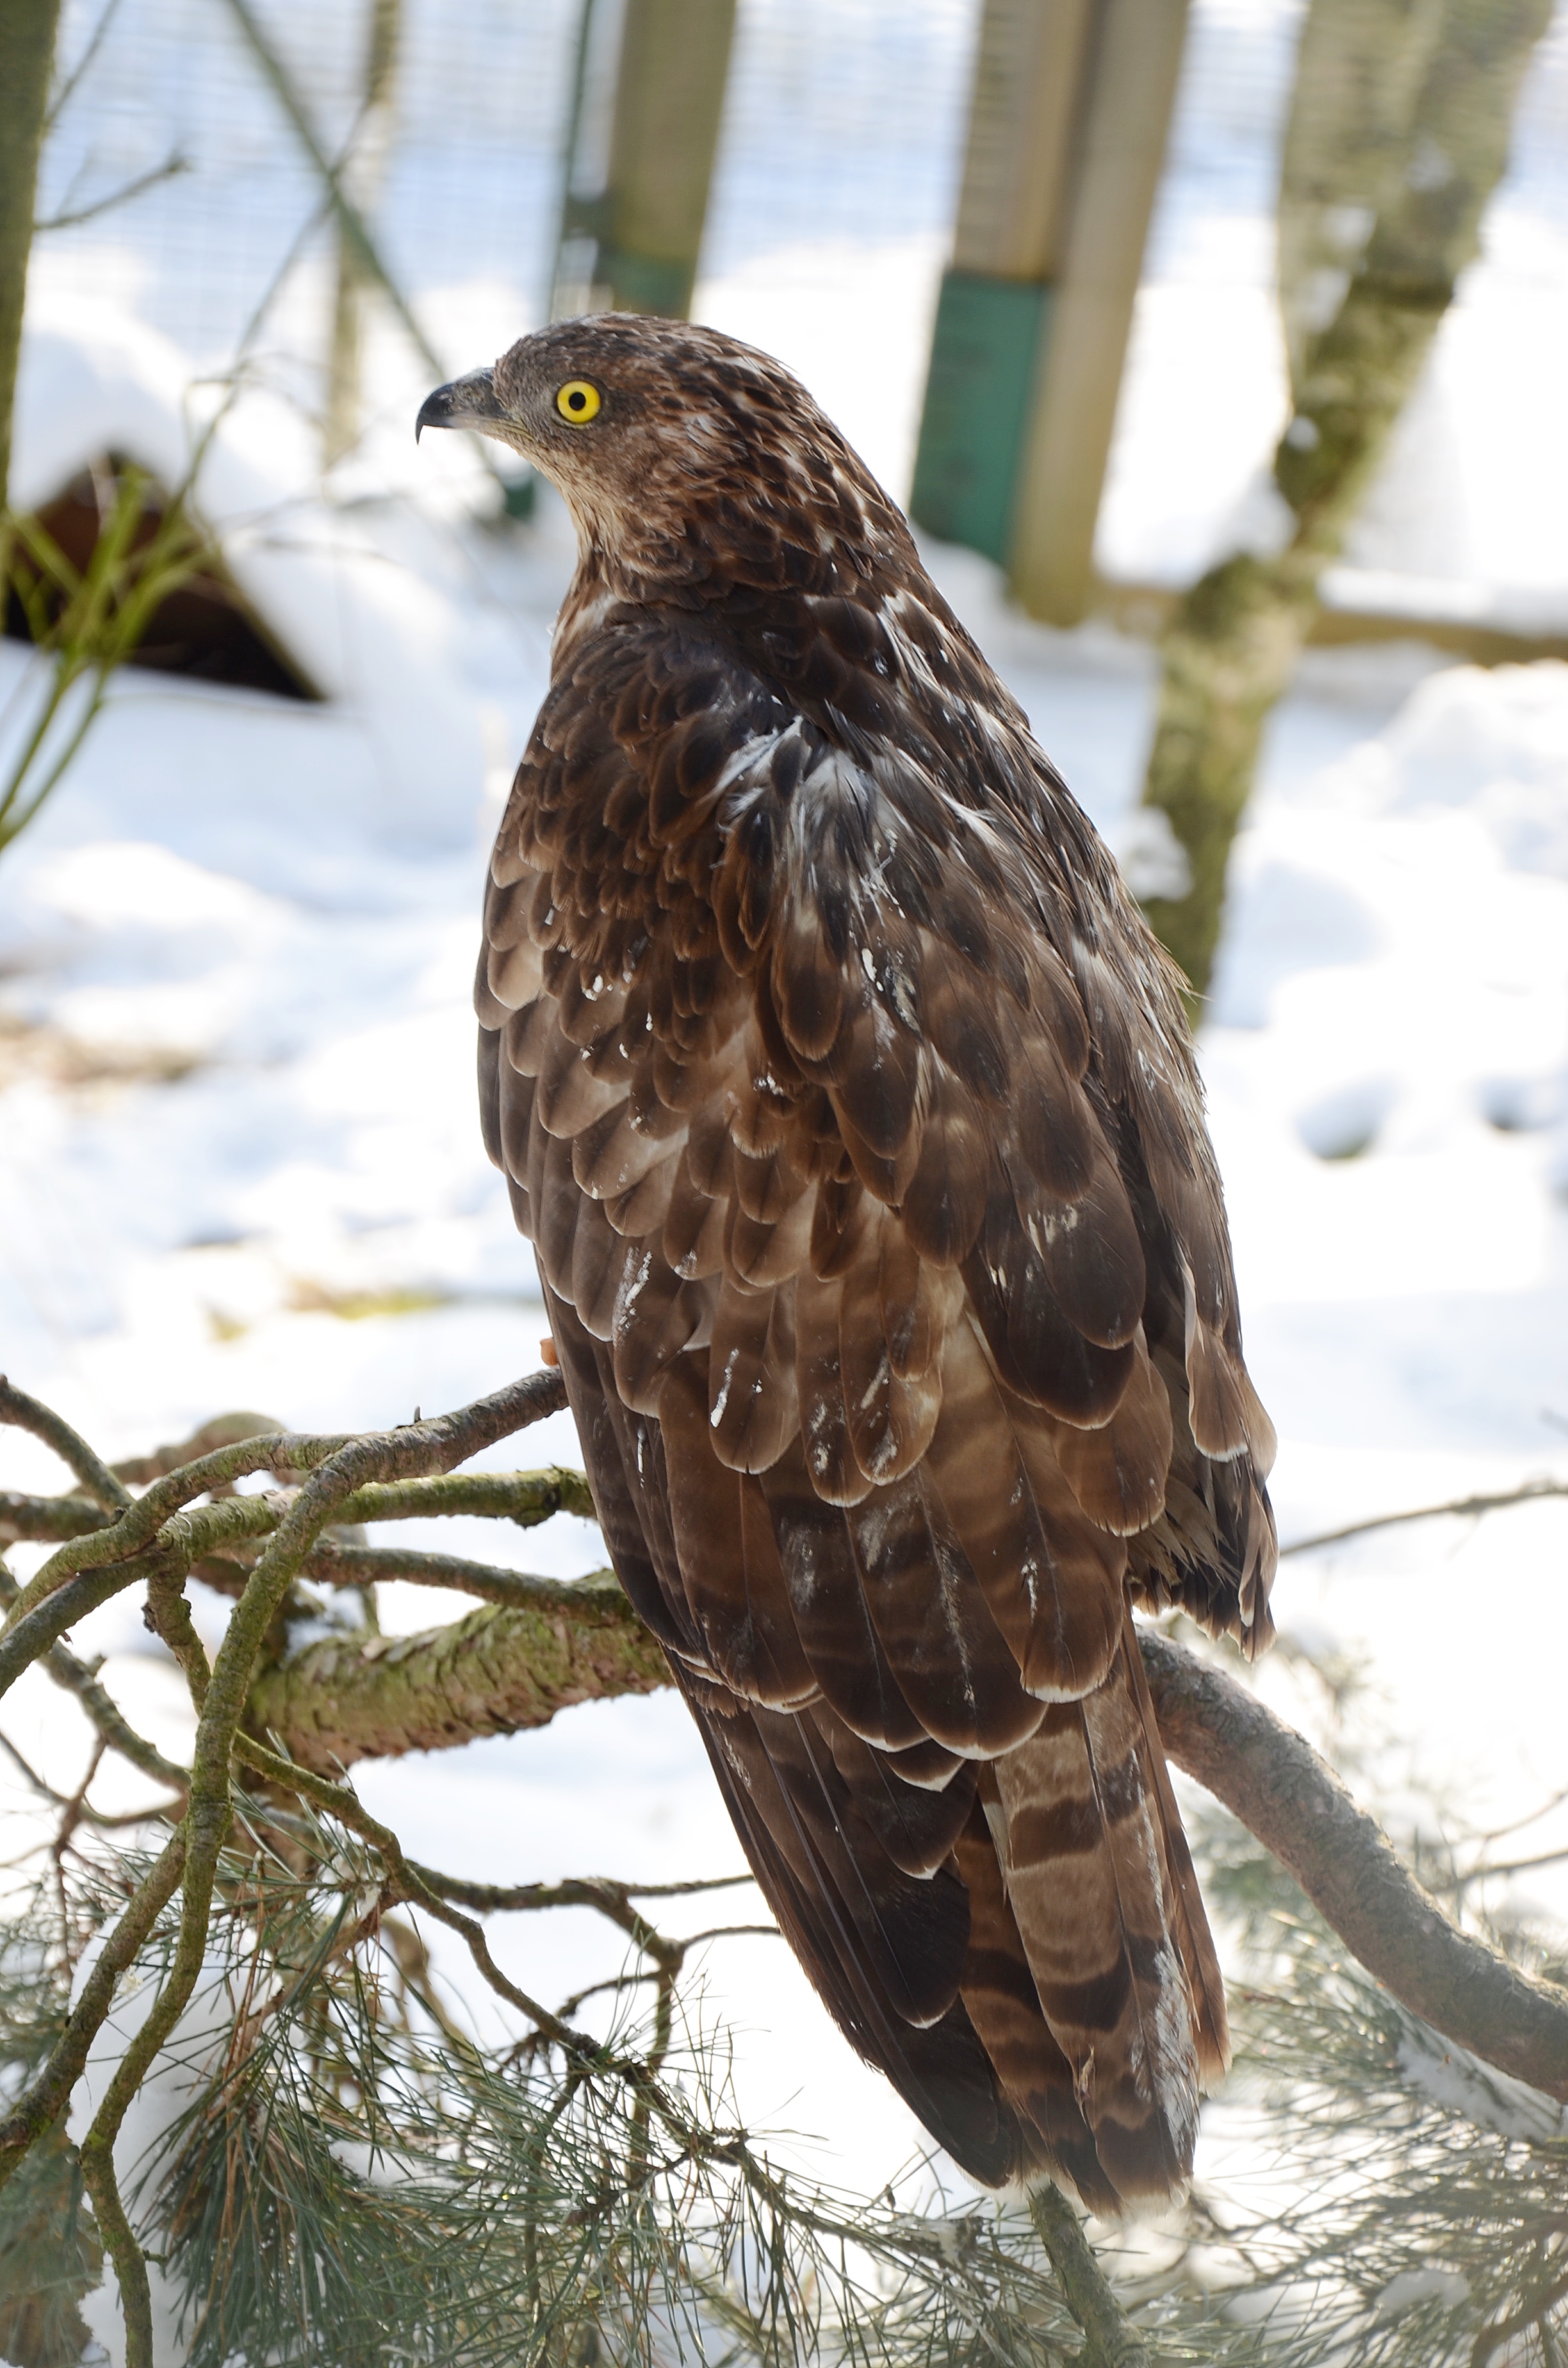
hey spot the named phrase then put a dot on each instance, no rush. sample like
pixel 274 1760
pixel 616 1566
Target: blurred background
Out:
pixel 1070 277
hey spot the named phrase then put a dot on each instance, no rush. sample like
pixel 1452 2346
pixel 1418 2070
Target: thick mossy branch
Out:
pixel 1274 1782
pixel 499 1669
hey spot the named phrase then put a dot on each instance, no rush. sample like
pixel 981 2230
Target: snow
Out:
pixel 1489 2098
pixel 367 631
pixel 239 1160
pixel 1403 2292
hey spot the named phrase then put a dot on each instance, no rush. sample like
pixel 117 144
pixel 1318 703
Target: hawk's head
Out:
pixel 683 454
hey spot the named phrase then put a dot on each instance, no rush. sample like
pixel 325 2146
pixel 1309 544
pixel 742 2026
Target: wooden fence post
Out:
pixel 631 221
pixel 1124 128
pixel 1067 133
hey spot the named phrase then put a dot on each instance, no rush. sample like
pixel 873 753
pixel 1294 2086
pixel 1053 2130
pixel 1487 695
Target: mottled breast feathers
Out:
pixel 851 1110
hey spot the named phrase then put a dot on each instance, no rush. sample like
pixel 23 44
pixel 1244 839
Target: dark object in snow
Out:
pixel 203 628
pixel 850 1106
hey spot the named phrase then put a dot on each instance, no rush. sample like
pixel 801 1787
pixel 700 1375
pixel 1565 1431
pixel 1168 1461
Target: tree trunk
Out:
pixel 1411 194
pixel 26 45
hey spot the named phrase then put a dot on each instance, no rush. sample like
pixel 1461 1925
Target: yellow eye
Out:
pixel 578 401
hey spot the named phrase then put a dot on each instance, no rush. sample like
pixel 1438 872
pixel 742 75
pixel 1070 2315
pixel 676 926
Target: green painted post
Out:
pixel 1067 135
pixel 632 225
pixel 993 313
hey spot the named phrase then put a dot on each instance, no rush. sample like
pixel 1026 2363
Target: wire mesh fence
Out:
pixel 828 224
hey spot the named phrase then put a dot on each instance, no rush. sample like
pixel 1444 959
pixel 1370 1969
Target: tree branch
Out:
pixel 1530 1492
pixel 540 1646
pixel 369 1565
pixel 1273 1781
pixel 30 1414
pixel 112 1724
pixel 497 1671
pixel 1108 2341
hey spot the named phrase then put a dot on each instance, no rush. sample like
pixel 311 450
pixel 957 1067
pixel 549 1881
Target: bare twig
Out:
pixel 1108 2341
pixel 223 1431
pixel 171 168
pixel 30 1414
pixel 371 1566
pixel 503 1899
pixel 50 1519
pixel 1530 1492
pixel 61 97
pixel 463 1435
pixel 105 1713
pixel 351 222
pixel 1455 1885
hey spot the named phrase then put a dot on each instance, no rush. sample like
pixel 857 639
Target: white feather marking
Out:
pixel 634 1280
pixel 717 1415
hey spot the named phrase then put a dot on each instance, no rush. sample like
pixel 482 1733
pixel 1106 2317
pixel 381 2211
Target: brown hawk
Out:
pixel 851 1107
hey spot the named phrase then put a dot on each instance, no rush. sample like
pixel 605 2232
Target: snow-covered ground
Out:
pixel 239 1159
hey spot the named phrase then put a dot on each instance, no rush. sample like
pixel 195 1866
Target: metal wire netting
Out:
pixel 844 120
pixel 842 145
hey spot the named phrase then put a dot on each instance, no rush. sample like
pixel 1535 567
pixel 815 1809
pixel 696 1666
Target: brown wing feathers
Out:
pixel 849 1110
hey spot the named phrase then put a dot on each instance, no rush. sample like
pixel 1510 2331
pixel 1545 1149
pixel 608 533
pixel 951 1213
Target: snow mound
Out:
pixel 381 640
pixel 1496 743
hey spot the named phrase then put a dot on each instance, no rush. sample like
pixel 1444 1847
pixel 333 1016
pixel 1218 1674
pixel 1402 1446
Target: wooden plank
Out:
pixel 1013 207
pixel 645 219
pixel 1132 93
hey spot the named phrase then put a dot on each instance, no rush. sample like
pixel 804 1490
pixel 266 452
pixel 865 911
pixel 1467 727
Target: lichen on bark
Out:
pixel 495 1671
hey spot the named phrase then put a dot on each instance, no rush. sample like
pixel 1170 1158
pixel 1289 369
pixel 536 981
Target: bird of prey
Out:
pixel 851 1109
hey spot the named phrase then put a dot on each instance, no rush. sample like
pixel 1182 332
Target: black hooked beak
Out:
pixel 466 402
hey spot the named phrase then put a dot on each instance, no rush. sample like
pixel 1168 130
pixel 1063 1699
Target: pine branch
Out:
pixel 536 1646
